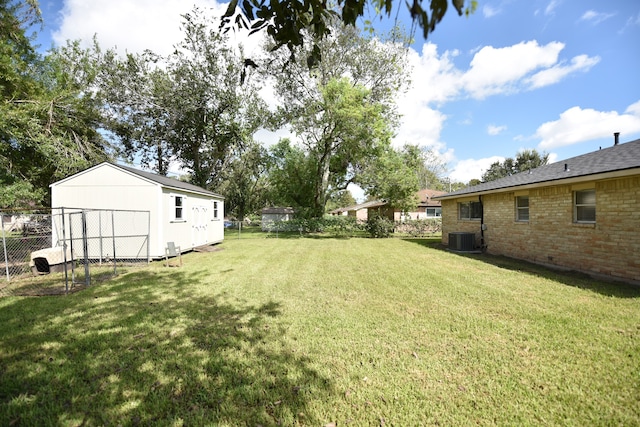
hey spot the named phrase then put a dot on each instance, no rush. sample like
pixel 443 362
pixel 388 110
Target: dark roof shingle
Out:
pixel 166 181
pixel 616 158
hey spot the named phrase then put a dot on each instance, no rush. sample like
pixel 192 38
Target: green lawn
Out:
pixel 314 331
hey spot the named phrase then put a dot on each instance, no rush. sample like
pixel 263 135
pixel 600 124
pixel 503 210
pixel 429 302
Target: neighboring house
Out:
pixel 179 212
pixel 359 212
pixel 275 214
pixel 426 207
pixel 582 213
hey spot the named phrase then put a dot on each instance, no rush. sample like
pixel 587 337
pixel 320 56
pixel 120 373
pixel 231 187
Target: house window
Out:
pixel 178 207
pixel 584 206
pixel 434 212
pixel 522 208
pixel 215 210
pixel 469 210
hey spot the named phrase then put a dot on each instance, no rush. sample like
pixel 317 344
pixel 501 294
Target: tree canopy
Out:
pixel 49 119
pixel 524 161
pixel 342 112
pixel 292 22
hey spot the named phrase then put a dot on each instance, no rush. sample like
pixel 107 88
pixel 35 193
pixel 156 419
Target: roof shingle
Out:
pixel 616 158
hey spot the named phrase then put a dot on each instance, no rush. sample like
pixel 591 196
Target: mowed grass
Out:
pixel 315 331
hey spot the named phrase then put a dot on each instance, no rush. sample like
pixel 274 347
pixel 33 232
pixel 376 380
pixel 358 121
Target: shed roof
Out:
pixel 278 210
pixel 166 181
pixel 621 157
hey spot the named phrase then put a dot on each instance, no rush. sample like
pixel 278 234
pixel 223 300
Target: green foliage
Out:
pixel 420 227
pixel 379 227
pixel 525 160
pixel 284 21
pixel 338 226
pixel 343 123
pixel 340 199
pixel 48 117
pixel 392 177
pixel 291 177
pixel 200 107
pixel 244 182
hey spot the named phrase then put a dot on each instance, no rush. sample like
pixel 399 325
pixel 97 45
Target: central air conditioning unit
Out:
pixel 462 242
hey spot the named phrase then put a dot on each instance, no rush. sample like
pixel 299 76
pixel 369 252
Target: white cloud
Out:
pixel 595 17
pixel 495 130
pixel 501 70
pixel 580 63
pixel 578 125
pixel 489 11
pixel 551 7
pixel 434 80
pixel 466 170
pixel 132 26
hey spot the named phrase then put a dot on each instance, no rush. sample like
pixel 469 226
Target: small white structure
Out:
pixel 275 214
pixel 179 212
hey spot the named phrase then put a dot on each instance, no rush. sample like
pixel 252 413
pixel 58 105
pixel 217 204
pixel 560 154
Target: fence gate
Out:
pixel 52 252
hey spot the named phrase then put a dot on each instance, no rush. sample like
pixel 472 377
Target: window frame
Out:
pixel 472 208
pixel 215 211
pixel 520 210
pixel 437 212
pixel 178 208
pixel 578 207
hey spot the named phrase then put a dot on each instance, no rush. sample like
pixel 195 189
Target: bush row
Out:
pixel 377 227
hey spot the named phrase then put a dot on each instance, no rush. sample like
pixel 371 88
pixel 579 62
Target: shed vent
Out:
pixel 463 242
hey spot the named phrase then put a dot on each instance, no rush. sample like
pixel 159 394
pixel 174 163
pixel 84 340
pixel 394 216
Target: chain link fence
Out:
pixel 65 249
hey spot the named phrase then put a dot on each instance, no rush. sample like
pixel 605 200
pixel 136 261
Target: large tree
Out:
pixel 342 112
pixel 48 116
pixel 525 160
pixel 244 182
pixel 197 107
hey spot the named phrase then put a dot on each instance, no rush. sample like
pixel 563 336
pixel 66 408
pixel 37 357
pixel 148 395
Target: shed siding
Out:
pixel 609 247
pixel 107 187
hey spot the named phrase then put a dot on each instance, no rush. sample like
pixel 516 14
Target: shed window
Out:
pixel 522 208
pixel 584 206
pixel 215 210
pixel 469 210
pixel 178 208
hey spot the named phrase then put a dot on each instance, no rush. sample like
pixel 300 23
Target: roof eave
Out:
pixel 561 181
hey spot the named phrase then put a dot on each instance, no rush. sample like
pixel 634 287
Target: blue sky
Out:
pixel 559 76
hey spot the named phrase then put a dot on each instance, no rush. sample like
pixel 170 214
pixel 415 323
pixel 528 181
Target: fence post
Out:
pixel 64 250
pixel 113 239
pixel 100 234
pixel 85 247
pixel 4 246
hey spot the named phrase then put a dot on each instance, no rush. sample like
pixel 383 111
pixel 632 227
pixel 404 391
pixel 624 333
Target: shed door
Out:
pixel 199 226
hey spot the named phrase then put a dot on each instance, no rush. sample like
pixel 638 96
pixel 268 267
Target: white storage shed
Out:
pixel 179 212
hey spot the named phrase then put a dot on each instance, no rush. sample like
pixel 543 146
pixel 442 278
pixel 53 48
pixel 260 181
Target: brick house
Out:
pixel 426 207
pixel 581 214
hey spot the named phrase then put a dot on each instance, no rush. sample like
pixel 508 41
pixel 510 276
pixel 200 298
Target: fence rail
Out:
pixel 65 247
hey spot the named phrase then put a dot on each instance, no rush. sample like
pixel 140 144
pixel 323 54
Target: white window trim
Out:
pixel 522 209
pixel 183 207
pixel 576 206
pixel 215 216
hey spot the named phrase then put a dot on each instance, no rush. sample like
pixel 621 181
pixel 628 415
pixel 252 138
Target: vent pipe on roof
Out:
pixel 616 138
pixel 566 167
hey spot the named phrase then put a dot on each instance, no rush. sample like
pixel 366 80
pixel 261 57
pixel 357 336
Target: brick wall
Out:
pixel 610 247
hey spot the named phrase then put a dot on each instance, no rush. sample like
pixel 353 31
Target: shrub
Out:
pixel 379 227
pixel 420 227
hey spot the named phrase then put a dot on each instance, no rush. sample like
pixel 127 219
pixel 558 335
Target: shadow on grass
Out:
pixel 569 278
pixel 145 350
